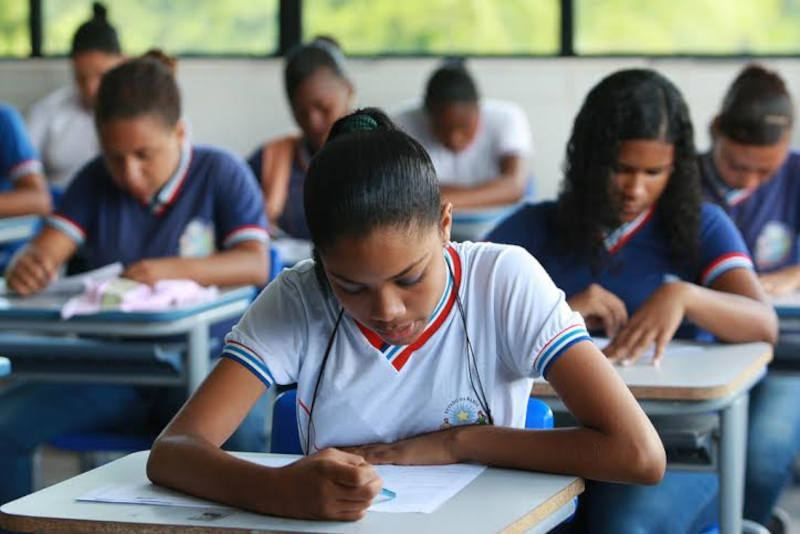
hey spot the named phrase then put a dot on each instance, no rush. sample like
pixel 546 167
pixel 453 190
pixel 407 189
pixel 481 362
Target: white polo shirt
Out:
pixel 518 323
pixel 503 130
pixel 64 134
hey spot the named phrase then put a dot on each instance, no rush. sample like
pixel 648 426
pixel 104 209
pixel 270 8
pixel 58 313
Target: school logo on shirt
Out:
pixel 773 246
pixel 463 411
pixel 197 239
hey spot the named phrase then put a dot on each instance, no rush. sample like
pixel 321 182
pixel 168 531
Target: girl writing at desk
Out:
pixel 162 207
pixel 386 332
pixel 753 175
pixel 637 252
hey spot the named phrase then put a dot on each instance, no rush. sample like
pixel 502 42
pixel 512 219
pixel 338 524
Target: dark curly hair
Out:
pixel 627 105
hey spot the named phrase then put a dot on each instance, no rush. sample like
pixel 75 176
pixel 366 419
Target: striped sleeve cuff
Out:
pixel 23 168
pixel 246 233
pixel 73 230
pixel 723 264
pixel 248 357
pixel 556 347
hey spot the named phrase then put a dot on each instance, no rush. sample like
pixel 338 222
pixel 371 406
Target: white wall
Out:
pixel 239 103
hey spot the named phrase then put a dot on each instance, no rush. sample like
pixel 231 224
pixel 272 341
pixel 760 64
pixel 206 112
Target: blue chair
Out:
pixel 275 263
pixel 286 440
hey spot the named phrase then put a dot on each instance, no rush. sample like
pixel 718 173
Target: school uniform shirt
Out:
pixel 503 130
pixel 768 216
pixel 637 260
pixel 18 157
pixel 210 203
pixel 64 133
pixel 517 321
pixel 293 217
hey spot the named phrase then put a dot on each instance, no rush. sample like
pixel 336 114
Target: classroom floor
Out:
pixel 58 465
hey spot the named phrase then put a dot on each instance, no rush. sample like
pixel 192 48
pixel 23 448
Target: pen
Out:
pixel 389 494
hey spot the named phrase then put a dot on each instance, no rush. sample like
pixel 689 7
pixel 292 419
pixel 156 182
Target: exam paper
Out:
pixel 72 285
pixel 647 356
pixel 421 489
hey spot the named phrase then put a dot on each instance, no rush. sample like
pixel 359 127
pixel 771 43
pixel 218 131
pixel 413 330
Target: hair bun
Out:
pixel 162 57
pixel 99 12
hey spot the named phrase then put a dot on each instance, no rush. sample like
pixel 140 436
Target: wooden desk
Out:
pixel 41 314
pixel 499 500
pixel 714 378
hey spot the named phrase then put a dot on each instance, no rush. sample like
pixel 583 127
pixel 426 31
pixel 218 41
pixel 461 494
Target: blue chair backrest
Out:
pixel 286 440
pixel 275 263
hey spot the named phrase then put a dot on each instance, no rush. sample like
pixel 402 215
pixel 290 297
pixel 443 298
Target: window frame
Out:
pixel 290 26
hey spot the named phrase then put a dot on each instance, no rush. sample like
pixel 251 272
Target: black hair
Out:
pixel 140 86
pixel 305 60
pixel 96 34
pixel 450 83
pixel 369 174
pixel 757 109
pixel 627 105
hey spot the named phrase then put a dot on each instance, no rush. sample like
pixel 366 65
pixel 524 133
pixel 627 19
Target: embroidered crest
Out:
pixel 197 239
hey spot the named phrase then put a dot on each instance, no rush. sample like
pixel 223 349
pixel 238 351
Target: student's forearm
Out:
pixel 586 451
pixel 730 317
pixel 194 466
pixel 497 192
pixel 229 268
pixel 25 201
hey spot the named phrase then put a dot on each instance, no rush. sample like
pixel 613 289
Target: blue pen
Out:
pixel 385 495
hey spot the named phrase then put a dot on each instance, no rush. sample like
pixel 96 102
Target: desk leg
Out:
pixel 732 448
pixel 197 360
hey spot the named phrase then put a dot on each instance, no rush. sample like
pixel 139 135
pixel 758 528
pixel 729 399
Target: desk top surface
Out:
pixel 498 500
pixel 692 371
pixel 48 308
pixel 787 305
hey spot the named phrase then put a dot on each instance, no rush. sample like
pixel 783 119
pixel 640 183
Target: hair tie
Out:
pixel 777 120
pixel 359 122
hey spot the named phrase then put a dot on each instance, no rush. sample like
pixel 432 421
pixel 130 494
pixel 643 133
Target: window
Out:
pixel 687 27
pixel 14 30
pixel 177 26
pixel 436 26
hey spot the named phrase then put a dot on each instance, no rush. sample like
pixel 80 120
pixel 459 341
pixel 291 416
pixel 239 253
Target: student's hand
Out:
pixel 654 322
pixel 434 448
pixel 600 308
pixel 782 281
pixel 31 272
pixel 330 484
pixel 150 271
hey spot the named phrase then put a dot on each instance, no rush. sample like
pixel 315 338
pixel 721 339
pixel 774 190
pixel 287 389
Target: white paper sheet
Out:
pixel 647 356
pixel 418 488
pixel 72 285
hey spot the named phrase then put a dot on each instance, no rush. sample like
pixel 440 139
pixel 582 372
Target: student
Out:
pixel 390 332
pixel 23 190
pixel 643 259
pixel 751 172
pixel 319 92
pixel 164 209
pixel 479 147
pixel 61 124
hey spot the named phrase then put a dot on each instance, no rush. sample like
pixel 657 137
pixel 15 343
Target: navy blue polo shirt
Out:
pixel 209 204
pixel 637 260
pixel 768 216
pixel 18 156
